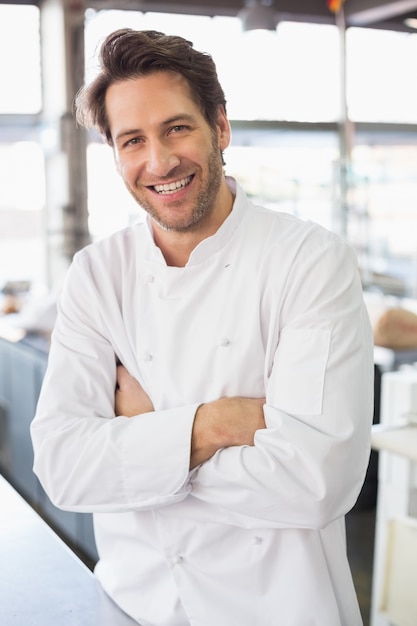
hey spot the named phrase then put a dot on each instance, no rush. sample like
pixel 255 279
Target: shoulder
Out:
pixel 300 238
pixel 108 265
pixel 116 251
pixel 102 271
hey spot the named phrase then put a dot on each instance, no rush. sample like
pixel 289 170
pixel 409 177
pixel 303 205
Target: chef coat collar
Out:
pixel 211 245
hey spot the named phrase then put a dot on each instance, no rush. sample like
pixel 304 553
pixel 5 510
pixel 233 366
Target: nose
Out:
pixel 161 159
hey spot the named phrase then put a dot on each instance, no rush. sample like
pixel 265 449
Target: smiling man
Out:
pixel 209 392
pixel 170 158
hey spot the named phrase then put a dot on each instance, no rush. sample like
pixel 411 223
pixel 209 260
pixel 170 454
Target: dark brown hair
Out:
pixel 127 54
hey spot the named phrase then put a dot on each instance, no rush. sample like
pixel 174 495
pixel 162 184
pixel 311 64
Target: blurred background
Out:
pixel 323 106
pixel 322 99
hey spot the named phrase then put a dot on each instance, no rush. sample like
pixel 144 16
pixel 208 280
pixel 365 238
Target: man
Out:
pixel 220 471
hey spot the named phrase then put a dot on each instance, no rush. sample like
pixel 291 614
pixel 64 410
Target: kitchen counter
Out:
pixel 13 333
pixel 42 582
pixel 398 439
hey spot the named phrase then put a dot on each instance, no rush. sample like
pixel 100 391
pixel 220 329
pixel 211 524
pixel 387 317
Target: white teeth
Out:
pixel 172 187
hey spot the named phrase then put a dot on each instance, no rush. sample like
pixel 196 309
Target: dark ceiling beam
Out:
pixel 367 12
pixel 357 12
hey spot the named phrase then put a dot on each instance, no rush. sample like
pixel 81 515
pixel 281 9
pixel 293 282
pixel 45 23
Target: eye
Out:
pixel 178 128
pixel 133 141
pixel 130 143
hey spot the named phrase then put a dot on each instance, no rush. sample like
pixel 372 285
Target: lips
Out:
pixel 170 188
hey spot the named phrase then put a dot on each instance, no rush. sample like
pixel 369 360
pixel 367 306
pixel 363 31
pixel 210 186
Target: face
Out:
pixel 165 151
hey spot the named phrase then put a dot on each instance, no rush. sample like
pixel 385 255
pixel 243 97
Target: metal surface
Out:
pixel 42 583
pixel 371 13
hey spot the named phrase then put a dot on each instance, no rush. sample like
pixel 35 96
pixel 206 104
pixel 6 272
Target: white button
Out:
pixel 148 356
pixel 178 559
pixel 151 278
pixel 225 342
pixel 257 540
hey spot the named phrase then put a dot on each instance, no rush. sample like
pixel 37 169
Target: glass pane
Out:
pixel 302 73
pixel 293 179
pixel 20 64
pixel 382 219
pixel 22 183
pixel 381 85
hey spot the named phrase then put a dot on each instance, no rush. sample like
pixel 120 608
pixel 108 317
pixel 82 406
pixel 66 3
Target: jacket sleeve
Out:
pixel 307 467
pixel 86 458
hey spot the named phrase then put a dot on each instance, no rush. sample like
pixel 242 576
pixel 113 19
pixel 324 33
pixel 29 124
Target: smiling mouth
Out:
pixel 170 188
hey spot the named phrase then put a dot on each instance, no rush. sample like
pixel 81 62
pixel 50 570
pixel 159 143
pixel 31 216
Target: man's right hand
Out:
pixel 223 423
pixel 130 398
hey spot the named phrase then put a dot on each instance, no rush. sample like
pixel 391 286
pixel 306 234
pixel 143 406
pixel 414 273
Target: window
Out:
pixel 22 184
pixel 20 64
pixel 295 177
pixel 382 220
pixel 22 254
pixel 380 76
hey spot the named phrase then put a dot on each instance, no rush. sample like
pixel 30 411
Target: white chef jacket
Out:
pixel 268 306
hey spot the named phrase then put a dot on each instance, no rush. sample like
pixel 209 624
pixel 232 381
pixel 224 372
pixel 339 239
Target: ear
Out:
pixel 223 129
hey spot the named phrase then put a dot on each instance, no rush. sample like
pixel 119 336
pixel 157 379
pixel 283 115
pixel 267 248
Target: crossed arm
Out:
pixel 218 424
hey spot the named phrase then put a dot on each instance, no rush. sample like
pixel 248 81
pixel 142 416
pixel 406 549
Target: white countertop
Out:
pixel 400 439
pixel 42 582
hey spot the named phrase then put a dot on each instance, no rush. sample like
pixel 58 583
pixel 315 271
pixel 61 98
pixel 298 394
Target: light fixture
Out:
pixel 258 15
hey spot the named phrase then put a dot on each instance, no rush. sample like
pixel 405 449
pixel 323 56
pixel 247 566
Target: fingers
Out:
pixel 124 379
pixel 130 397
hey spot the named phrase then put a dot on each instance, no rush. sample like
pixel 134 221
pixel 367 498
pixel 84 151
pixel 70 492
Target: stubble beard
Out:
pixel 205 203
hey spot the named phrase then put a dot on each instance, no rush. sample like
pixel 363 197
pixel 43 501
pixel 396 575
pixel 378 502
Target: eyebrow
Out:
pixel 181 117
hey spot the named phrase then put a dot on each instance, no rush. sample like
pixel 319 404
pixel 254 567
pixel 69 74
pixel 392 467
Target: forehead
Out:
pixel 149 97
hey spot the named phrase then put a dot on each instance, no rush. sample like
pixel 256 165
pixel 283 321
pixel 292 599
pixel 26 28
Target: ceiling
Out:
pixel 388 14
pixel 367 13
